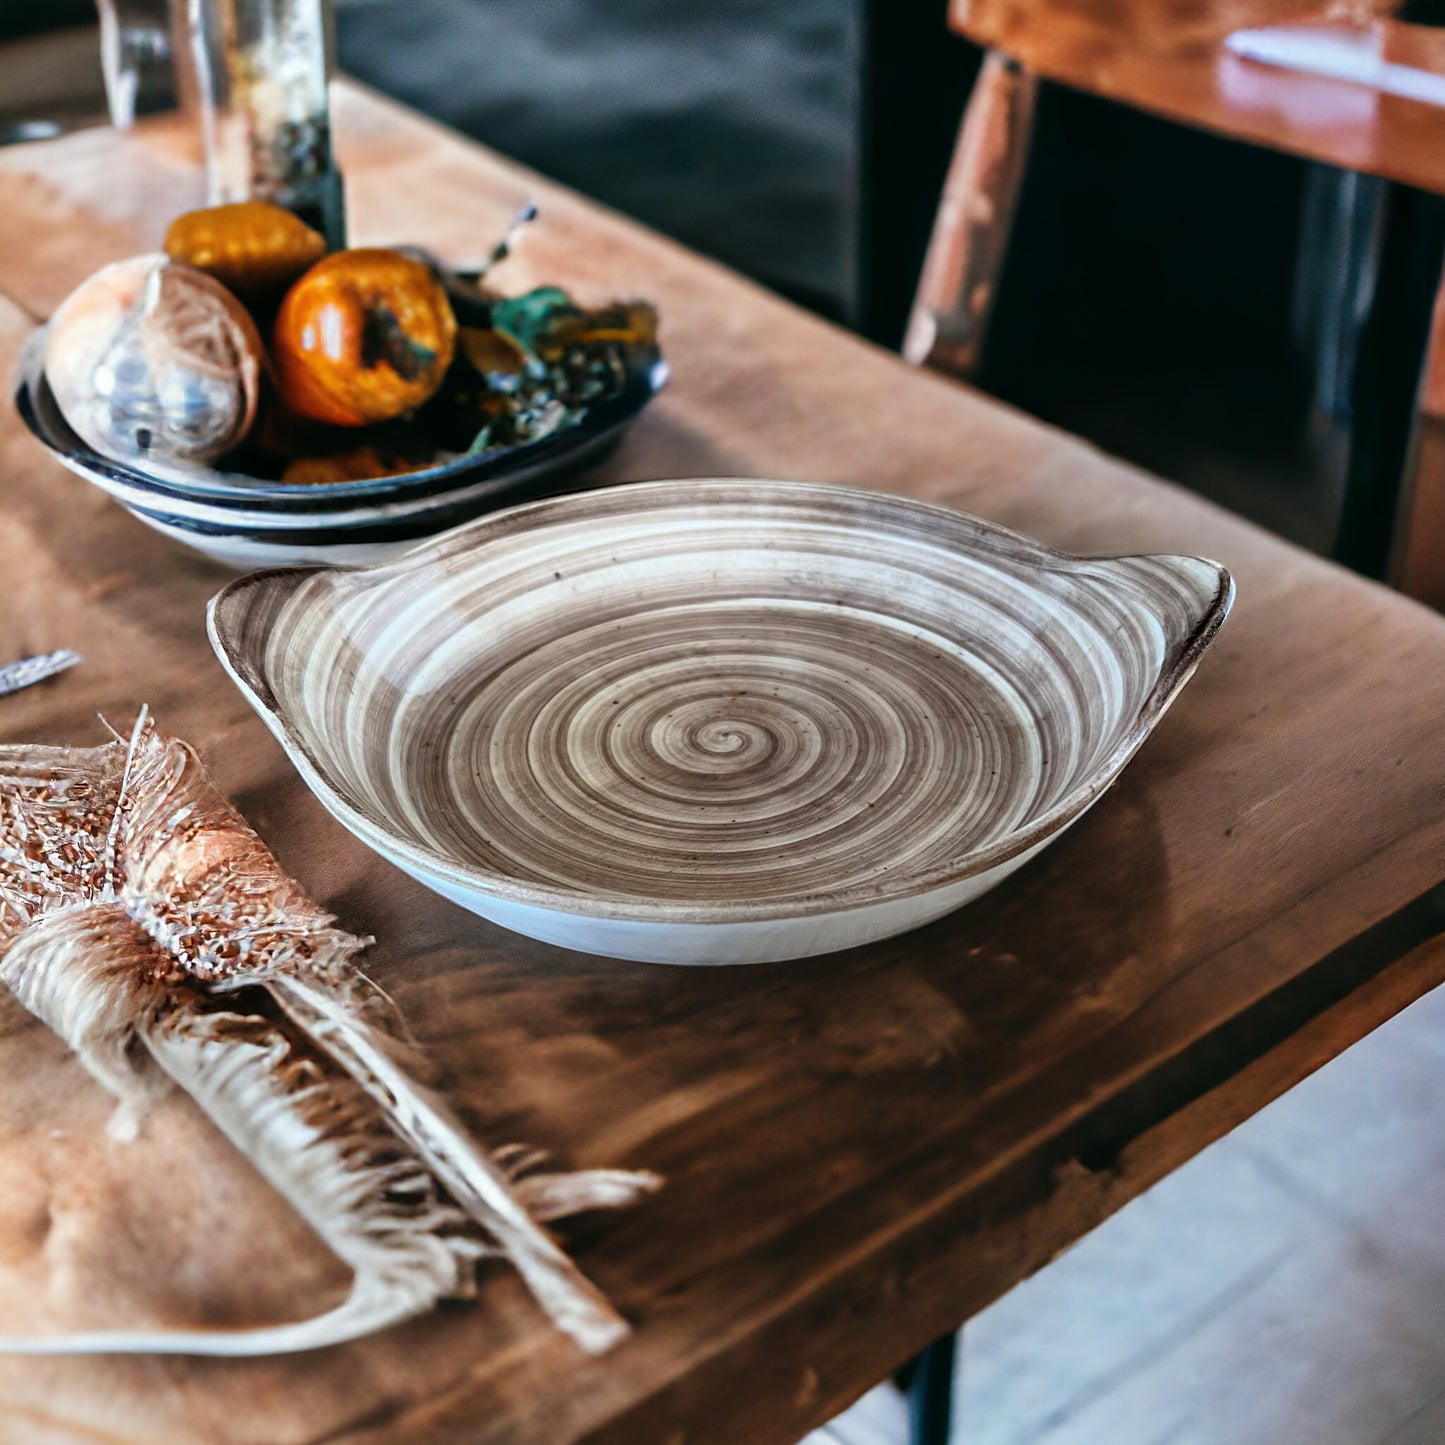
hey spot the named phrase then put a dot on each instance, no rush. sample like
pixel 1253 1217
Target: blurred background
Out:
pixel 1188 301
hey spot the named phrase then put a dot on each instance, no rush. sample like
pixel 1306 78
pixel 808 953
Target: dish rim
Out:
pixel 227 491
pixel 404 521
pixel 552 898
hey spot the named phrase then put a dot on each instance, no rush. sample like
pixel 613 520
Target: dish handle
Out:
pixel 242 616
pixel 1187 598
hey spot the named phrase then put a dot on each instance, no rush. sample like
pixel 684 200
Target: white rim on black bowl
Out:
pixel 210 502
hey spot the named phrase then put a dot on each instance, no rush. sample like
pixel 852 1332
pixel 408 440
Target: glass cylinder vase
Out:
pixel 261 75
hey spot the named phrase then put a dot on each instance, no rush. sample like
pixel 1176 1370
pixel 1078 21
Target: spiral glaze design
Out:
pixel 704 748
pixel 718 695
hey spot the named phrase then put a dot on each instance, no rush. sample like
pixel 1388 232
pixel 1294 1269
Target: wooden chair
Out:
pixel 1353 83
pixel 1417 557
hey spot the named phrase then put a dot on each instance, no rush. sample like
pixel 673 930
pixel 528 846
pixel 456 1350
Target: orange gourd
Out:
pixel 252 247
pixel 363 336
pixel 360 464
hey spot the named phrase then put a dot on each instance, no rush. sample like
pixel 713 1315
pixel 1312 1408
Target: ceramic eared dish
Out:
pixel 246 522
pixel 717 721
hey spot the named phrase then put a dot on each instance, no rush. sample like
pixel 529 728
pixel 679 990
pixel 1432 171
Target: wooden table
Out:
pixel 1183 59
pixel 862 1150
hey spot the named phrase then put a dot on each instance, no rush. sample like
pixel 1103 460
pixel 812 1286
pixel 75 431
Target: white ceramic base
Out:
pixel 242 555
pixel 769 940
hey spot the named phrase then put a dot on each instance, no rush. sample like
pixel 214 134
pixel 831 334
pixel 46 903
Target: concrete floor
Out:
pixel 1287 1287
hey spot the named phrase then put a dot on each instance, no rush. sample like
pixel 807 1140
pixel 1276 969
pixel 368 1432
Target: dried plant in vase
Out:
pixel 145 923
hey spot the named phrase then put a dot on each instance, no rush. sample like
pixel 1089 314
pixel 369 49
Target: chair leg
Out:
pixel 930 1392
pixel 970 233
pixel 1417 560
pixel 1393 340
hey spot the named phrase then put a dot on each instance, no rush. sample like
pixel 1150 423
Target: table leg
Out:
pixel 930 1392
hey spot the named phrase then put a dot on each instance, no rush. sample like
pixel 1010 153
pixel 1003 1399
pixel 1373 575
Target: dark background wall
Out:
pixel 730 124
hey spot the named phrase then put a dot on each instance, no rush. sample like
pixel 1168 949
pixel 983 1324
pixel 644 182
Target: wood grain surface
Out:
pixel 861 1150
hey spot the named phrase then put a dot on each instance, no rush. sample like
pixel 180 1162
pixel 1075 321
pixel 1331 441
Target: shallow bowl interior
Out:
pixel 720 700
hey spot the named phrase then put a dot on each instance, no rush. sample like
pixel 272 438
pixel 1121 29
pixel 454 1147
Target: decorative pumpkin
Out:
pixel 153 360
pixel 360 464
pixel 363 336
pixel 252 247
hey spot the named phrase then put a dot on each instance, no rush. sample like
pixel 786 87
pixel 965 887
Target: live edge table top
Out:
pixel 860 1150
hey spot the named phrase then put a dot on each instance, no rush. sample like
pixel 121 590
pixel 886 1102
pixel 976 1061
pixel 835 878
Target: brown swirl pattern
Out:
pixel 748 695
